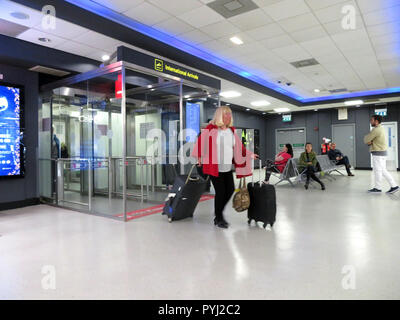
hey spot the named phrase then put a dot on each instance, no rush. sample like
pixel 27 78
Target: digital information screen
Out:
pixel 10 121
pixel 192 121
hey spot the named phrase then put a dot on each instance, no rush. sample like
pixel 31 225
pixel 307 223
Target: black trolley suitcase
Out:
pixel 262 202
pixel 184 196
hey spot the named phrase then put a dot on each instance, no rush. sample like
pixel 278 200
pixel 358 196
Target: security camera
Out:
pixel 288 84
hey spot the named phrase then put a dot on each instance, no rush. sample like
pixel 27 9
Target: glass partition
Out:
pixel 112 141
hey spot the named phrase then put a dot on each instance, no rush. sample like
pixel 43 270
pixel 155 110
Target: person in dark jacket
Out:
pixel 337 156
pixel 308 162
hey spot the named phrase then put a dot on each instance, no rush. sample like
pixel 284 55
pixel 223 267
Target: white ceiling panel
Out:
pixel 383 29
pixel 382 16
pixel 268 31
pixel 303 21
pixel 176 7
pixel 292 53
pixel 215 45
pixel 313 33
pixel 147 13
pixel 196 36
pixel 278 42
pixel 201 17
pixel 242 36
pixel 75 48
pixel 119 5
pixel 33 36
pixel 367 6
pixel 286 8
pixel 351 39
pixel 388 52
pixel 265 3
pixel 220 29
pixel 173 26
pixel 96 40
pixel 387 39
pixel 250 20
pixel 320 47
pixel 319 4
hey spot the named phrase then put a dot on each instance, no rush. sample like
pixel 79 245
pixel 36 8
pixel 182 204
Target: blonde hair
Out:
pixel 218 116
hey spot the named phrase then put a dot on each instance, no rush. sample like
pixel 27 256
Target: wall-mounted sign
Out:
pixel 286 117
pixel 381 112
pixel 342 114
pixel 160 65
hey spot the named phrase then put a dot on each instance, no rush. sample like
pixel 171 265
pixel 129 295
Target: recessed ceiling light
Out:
pixel 282 110
pixel 247 109
pixel 230 94
pixel 317 90
pixel 261 103
pixel 105 57
pixel 353 102
pixel 19 15
pixel 236 40
pixel 44 39
pixel 187 96
pixel 227 104
pixel 264 112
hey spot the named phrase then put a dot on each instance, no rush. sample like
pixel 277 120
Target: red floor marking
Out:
pixel 155 209
pixel 141 210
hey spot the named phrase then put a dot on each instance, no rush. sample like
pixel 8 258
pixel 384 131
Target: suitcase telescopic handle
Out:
pixel 190 173
pixel 259 174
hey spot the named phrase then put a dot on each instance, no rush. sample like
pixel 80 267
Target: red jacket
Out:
pixel 206 149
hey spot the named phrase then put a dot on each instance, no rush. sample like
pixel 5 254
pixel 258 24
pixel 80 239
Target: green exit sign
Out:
pixel 286 117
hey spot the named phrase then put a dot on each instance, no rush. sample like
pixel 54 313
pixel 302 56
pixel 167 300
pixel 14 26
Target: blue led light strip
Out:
pixel 209 57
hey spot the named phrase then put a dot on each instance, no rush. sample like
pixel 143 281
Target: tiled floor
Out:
pixel 318 236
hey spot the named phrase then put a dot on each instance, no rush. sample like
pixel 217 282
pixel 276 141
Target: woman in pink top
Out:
pixel 280 161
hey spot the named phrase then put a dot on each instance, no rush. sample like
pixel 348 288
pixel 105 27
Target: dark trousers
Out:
pixel 268 171
pixel 224 188
pixel 346 162
pixel 310 173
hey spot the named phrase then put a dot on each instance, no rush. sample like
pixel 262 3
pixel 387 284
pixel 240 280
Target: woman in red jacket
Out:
pixel 218 150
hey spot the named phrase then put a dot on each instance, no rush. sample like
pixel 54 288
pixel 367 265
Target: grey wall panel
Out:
pixel 324 126
pixel 362 128
pixel 24 188
pixel 311 124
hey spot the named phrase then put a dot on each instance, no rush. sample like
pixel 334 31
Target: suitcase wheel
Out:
pixel 169 220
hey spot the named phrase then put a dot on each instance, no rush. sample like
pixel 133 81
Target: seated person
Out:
pixel 335 155
pixel 280 161
pixel 308 163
